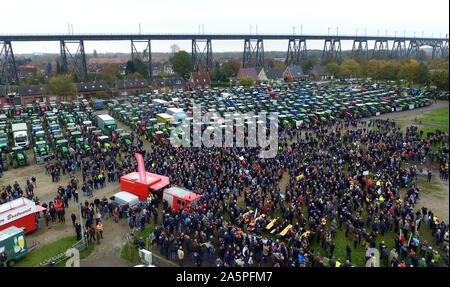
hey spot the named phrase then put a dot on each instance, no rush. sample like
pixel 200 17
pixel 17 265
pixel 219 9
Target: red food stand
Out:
pixel 19 213
pixel 133 184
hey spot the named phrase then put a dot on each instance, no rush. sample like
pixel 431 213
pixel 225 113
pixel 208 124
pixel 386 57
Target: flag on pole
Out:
pixel 141 167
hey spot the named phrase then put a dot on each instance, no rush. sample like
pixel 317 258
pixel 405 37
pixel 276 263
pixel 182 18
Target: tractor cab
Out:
pixel 18 157
pixel 74 136
pixel 62 147
pixel 125 139
pixel 82 144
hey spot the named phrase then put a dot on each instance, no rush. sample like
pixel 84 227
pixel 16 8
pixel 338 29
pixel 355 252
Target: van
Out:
pixel 123 198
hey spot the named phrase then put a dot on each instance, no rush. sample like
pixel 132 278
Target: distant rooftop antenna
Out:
pixel 139 28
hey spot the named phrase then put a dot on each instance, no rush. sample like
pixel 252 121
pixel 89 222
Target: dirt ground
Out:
pixel 108 252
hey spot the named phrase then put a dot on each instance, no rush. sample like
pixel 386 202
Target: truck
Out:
pixel 178 197
pixel 20 135
pixel 14 245
pixel 106 123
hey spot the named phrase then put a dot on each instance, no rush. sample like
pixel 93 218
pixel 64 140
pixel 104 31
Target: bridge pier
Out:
pixel 145 57
pixel 8 71
pixel 296 51
pixel 444 49
pixel 360 47
pixel 75 63
pixel 398 49
pixel 332 49
pixel 381 48
pixel 253 54
pixel 203 58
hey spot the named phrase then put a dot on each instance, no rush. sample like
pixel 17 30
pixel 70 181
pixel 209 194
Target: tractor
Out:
pixel 83 144
pixel 125 139
pixel 41 151
pixel 18 157
pixel 62 148
pixel 4 142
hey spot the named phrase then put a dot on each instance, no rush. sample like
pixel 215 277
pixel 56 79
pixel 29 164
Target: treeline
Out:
pixel 427 73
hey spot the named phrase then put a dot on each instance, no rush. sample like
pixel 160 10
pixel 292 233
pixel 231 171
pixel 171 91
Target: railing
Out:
pixel 55 260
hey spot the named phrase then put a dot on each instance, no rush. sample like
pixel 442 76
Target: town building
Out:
pixel 247 72
pixel 294 73
pixel 199 80
pixel 318 73
pixel 169 84
pixel 88 90
pixel 128 87
pixel 34 93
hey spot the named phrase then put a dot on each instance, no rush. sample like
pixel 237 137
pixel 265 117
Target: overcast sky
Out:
pixel 231 16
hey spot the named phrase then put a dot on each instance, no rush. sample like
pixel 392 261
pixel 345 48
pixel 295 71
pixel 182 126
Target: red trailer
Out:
pixel 133 184
pixel 19 213
pixel 177 197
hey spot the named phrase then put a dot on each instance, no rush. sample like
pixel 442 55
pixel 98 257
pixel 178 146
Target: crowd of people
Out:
pixel 324 180
pixel 337 178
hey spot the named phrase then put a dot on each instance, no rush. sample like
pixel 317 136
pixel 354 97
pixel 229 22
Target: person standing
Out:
pixel 180 256
pixel 74 217
pixel 349 252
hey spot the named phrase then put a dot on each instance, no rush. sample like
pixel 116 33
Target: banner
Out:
pixel 16 209
pixel 141 167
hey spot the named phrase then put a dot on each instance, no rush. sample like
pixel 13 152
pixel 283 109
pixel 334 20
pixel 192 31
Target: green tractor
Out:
pixel 83 144
pixel 125 139
pixel 41 151
pixel 18 157
pixel 62 148
pixel 4 142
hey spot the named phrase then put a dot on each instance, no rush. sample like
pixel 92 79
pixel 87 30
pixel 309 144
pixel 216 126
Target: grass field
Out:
pixel 48 251
pixel 439 116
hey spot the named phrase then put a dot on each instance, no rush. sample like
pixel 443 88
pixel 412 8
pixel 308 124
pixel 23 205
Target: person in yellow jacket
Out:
pixel 100 228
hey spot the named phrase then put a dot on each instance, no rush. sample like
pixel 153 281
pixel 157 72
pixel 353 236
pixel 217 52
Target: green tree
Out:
pixel 373 69
pixel 133 76
pixel 246 82
pixel 49 68
pixel 441 79
pixel 422 75
pixel 389 71
pixel 350 69
pixel 182 63
pixel 109 74
pixel 307 65
pixel 231 68
pixel 62 85
pixel 408 70
pixel 218 74
pixel 136 66
pixel 333 69
pixel 95 54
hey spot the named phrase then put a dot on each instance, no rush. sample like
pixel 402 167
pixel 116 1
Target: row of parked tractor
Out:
pixel 300 104
pixel 53 131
